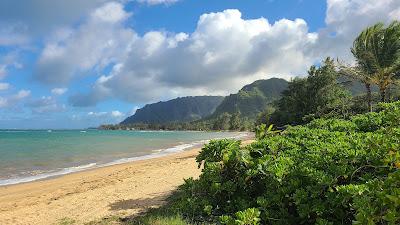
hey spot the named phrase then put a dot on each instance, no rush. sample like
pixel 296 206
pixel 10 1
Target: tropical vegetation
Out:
pixel 328 171
pixel 184 109
pixel 319 157
pixel 376 51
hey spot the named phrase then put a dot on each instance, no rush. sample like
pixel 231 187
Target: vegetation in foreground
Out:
pixel 337 160
pixel 329 171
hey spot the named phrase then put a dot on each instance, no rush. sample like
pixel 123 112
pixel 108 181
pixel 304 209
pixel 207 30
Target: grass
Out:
pixel 159 219
pixel 153 217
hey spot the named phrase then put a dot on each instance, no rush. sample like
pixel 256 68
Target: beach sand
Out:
pixel 119 190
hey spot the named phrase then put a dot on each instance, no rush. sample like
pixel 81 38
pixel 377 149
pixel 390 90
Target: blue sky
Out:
pixel 76 64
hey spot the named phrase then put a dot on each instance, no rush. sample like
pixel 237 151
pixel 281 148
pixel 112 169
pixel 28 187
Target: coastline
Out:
pixel 156 153
pixel 115 190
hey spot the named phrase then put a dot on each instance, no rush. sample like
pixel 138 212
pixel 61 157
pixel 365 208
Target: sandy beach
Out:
pixel 119 190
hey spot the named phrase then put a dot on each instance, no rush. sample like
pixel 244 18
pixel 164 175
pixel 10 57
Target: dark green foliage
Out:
pixel 377 52
pixel 222 122
pixel 318 95
pixel 265 116
pixel 235 122
pixel 253 98
pixel 329 171
pixel 177 110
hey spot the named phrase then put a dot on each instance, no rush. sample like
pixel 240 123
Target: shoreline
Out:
pixel 116 190
pixel 156 153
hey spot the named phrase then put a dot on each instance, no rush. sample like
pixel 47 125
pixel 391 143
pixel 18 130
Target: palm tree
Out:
pixel 377 51
pixel 358 73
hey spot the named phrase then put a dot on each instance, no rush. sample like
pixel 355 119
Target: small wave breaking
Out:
pixel 153 154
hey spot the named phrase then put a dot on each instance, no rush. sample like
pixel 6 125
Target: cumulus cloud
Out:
pixel 3 71
pixel 218 57
pixel 224 48
pixel 133 110
pixel 103 117
pixel 4 86
pixel 15 99
pixel 157 2
pixel 96 113
pixel 3 102
pixel 40 16
pixel 12 34
pixel 346 18
pixel 117 114
pixel 21 95
pixel 8 61
pixel 59 91
pixel 95 44
pixel 45 104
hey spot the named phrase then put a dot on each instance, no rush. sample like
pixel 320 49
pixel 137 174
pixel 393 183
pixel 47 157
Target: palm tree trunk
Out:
pixel 383 94
pixel 389 93
pixel 369 96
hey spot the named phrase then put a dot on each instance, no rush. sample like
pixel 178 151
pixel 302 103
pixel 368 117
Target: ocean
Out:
pixel 28 155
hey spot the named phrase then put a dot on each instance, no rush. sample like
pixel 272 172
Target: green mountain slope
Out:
pixel 253 98
pixel 176 110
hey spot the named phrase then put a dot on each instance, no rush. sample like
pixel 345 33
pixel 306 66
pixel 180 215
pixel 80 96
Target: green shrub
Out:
pixel 326 172
pixel 333 125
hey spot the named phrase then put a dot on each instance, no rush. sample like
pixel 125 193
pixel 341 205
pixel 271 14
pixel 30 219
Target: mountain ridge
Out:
pixel 182 109
pixel 252 98
pixel 248 102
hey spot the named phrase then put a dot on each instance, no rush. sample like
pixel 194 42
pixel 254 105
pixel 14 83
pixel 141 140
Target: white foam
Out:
pixel 155 154
pixel 46 175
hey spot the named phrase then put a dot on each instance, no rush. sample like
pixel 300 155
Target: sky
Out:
pixel 75 64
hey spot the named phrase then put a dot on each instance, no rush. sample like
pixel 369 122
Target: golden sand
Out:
pixel 119 190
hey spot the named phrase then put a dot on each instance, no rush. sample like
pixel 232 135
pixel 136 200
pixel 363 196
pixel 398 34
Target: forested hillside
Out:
pixel 253 98
pixel 176 110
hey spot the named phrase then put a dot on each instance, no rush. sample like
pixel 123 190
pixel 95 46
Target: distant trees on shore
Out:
pixel 321 94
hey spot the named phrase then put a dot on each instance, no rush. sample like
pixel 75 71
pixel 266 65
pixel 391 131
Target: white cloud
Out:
pixel 59 91
pixel 3 71
pixel 395 14
pixel 99 41
pixel 113 114
pixel 345 19
pixel 133 111
pixel 104 117
pixel 97 113
pixel 12 34
pixel 117 114
pixel 21 94
pixel 8 61
pixel 224 52
pixel 111 12
pixel 224 49
pixel 37 18
pixel 4 86
pixel 15 99
pixel 46 104
pixel 157 2
pixel 3 102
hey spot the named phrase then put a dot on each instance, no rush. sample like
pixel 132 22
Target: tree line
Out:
pixel 323 93
pixel 329 166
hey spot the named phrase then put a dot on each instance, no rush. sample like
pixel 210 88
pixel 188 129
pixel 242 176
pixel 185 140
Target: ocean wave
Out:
pixel 153 154
pixel 14 131
pixel 64 171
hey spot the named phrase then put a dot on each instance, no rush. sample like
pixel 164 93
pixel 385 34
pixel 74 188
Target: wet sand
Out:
pixel 119 190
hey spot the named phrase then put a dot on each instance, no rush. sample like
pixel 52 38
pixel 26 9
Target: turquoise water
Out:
pixel 27 155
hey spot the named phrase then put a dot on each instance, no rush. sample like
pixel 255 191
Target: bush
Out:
pixel 329 171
